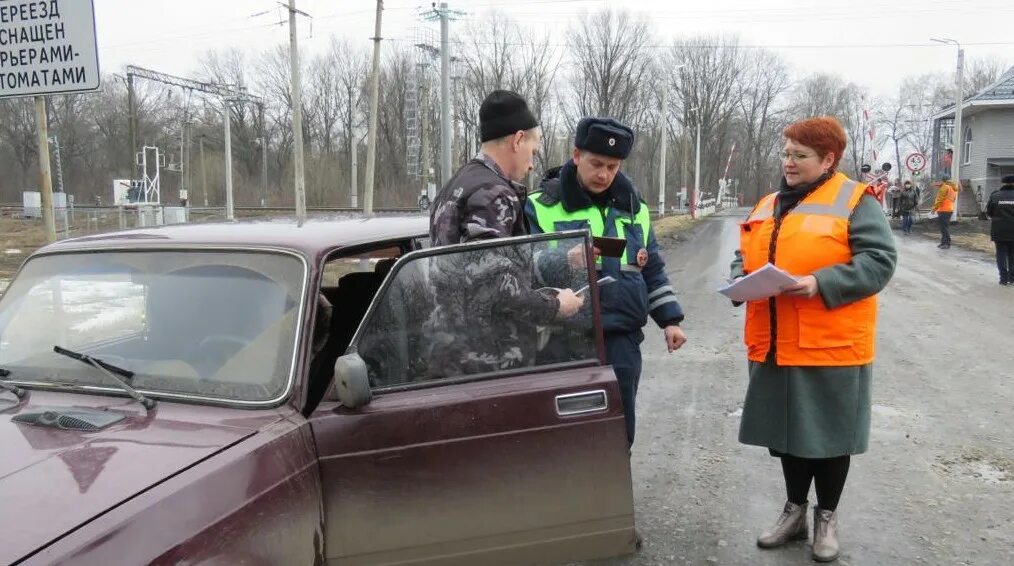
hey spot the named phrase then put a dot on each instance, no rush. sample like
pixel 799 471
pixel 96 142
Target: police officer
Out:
pixel 591 192
pixel 1000 209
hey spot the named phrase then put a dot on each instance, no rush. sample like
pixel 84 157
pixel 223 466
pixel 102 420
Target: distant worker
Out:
pixel 908 202
pixel 1000 209
pixel 947 196
pixel 811 348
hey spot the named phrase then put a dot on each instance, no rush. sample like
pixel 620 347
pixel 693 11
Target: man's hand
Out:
pixel 570 303
pixel 805 287
pixel 576 256
pixel 674 338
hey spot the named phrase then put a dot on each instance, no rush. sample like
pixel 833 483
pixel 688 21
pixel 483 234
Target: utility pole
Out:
pixel 444 14
pixel 354 186
pixel 663 137
pixel 697 171
pixel 424 130
pixel 264 155
pixel 959 100
pixel 445 96
pixel 371 133
pixel 189 157
pixel 297 114
pixel 45 174
pixel 228 161
pixel 183 157
pixel 59 163
pixel 958 133
pixel 132 123
pixel 456 140
pixel 204 172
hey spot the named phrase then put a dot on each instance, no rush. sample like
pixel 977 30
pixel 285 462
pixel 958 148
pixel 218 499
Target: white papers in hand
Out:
pixel 761 284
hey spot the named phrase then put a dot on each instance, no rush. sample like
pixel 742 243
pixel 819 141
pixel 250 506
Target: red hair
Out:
pixel 824 134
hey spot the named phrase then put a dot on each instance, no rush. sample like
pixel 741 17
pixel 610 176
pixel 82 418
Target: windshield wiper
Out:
pixel 111 371
pixel 14 389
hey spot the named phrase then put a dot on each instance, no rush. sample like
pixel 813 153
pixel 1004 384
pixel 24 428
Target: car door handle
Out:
pixel 580 403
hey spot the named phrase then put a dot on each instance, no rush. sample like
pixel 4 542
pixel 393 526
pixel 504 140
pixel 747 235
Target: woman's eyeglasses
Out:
pixel 795 157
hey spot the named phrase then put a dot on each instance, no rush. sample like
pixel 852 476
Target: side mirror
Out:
pixel 352 382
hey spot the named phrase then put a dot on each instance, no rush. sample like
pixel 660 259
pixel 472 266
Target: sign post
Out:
pixel 47 47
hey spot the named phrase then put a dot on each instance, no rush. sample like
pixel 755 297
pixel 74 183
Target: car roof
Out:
pixel 311 238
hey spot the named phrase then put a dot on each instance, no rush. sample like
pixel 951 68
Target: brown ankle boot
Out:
pixel 791 525
pixel 825 535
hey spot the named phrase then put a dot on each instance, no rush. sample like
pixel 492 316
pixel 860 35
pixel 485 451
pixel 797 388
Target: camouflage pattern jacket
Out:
pixel 478 203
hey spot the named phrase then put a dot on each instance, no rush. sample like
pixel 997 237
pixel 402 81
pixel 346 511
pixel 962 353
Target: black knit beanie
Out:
pixel 503 113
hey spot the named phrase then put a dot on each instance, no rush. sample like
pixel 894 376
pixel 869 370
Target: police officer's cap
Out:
pixel 604 136
pixel 1008 180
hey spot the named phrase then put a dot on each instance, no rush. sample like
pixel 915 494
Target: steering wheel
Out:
pixel 218 348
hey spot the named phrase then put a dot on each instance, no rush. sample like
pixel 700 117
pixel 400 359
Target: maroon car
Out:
pixel 336 392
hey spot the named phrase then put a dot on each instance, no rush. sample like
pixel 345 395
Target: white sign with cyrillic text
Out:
pixel 47 47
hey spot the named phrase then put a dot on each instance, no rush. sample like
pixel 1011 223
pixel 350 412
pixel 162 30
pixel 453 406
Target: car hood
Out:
pixel 52 480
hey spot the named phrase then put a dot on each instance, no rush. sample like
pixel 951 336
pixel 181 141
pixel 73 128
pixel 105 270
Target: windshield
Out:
pixel 219 325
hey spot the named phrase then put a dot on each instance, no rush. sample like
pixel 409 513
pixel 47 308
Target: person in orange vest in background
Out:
pixel 947 195
pixel 811 347
pixel 879 191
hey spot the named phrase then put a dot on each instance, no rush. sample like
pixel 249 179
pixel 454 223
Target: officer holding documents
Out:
pixel 811 346
pixel 590 192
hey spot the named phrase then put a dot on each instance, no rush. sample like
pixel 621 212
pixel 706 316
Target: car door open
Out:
pixel 489 430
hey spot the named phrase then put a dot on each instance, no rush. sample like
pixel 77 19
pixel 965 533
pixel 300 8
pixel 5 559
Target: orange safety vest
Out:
pixel 812 236
pixel 948 204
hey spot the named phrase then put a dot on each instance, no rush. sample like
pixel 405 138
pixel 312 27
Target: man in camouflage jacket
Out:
pixel 487 307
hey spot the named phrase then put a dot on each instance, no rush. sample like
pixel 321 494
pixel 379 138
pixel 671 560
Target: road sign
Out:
pixel 915 162
pixel 47 47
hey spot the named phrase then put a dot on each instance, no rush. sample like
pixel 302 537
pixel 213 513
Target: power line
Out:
pixel 675 44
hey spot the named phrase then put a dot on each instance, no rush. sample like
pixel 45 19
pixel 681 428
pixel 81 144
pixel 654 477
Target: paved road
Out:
pixel 936 487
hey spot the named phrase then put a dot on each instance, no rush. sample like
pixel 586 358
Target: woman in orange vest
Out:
pixel 810 348
pixel 947 195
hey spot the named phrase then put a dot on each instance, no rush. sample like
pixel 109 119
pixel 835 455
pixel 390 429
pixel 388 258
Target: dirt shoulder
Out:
pixel 967 233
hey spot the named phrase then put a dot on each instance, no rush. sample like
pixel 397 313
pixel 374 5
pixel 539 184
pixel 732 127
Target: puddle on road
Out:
pixel 978 465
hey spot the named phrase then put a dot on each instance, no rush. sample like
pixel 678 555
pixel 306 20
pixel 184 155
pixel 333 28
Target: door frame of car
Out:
pixel 479 469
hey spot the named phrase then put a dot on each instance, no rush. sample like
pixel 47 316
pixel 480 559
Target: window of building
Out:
pixel 966 158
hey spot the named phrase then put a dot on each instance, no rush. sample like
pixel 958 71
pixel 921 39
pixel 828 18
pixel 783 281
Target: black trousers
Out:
pixel 828 475
pixel 1005 261
pixel 944 221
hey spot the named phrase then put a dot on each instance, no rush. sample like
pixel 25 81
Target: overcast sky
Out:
pixel 870 42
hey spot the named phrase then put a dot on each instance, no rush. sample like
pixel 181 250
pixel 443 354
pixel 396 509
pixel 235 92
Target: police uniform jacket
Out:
pixel 642 286
pixel 1001 209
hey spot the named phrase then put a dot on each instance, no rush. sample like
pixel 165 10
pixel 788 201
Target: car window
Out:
pixel 208 324
pixel 362 262
pixel 476 309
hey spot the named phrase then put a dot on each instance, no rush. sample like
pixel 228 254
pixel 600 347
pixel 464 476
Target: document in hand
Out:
pixel 761 284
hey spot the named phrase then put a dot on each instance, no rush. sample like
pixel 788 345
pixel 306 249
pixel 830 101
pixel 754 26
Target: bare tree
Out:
pixel 497 53
pixel 17 130
pixel 764 81
pixel 707 72
pixel 611 60
pixel 891 119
